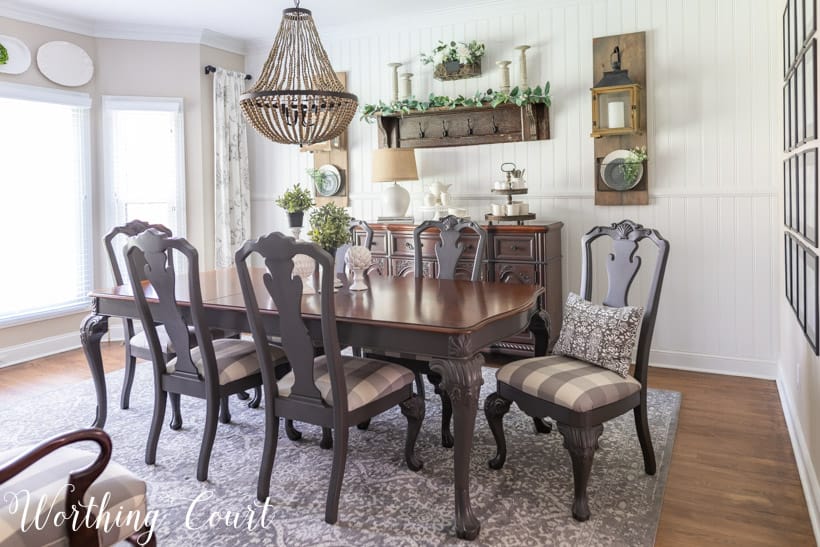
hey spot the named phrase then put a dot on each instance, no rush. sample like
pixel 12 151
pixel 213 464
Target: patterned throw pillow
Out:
pixel 599 335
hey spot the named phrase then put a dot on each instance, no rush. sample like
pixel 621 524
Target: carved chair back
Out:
pixel 622 266
pixel 149 256
pixel 130 229
pixel 285 288
pixel 448 249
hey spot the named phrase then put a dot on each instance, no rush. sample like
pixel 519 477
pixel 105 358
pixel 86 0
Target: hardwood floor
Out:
pixel 733 478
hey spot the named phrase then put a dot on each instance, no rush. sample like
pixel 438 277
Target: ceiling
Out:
pixel 248 20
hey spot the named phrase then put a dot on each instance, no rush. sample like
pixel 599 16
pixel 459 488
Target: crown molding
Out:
pixel 123 31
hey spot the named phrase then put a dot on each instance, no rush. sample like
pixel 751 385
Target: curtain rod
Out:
pixel 212 68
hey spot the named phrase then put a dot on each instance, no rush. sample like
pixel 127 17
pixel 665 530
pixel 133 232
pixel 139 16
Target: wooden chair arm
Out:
pixel 78 481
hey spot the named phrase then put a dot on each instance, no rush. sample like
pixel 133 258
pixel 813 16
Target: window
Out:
pixel 144 161
pixel 45 210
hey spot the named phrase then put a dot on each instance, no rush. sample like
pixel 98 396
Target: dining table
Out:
pixel 449 322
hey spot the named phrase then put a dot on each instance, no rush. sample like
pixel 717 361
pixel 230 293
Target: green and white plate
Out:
pixel 331 180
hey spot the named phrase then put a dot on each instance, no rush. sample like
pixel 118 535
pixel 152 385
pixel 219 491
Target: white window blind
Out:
pixel 144 161
pixel 45 210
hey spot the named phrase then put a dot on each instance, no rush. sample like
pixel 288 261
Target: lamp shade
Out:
pixel 394 164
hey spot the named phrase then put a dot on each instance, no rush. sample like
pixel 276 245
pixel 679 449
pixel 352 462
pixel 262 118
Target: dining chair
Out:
pixel 330 390
pixel 212 370
pixel 579 395
pixel 136 344
pixel 454 260
pixel 52 470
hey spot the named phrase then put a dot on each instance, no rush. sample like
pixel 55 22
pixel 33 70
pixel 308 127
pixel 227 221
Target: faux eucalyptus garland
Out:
pixel 4 55
pixel 489 98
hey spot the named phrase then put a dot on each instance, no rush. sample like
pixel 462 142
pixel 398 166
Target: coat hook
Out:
pixel 469 126
pixel 421 131
pixel 444 131
pixel 495 127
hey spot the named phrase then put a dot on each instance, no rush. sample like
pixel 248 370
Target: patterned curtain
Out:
pixel 232 193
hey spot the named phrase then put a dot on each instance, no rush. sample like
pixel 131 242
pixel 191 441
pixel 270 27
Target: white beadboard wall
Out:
pixel 713 127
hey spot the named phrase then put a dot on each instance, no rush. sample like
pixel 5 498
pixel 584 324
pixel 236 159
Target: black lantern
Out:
pixel 615 102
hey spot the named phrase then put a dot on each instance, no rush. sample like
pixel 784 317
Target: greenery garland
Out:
pixel 517 96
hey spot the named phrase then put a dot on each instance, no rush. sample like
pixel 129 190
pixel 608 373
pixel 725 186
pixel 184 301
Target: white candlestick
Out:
pixel 395 67
pixel 522 67
pixel 616 114
pixel 505 75
pixel 406 85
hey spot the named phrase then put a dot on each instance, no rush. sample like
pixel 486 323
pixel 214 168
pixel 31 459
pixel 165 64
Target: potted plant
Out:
pixel 455 60
pixel 329 227
pixel 295 201
pixel 632 167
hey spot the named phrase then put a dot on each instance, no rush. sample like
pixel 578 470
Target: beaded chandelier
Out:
pixel 298 99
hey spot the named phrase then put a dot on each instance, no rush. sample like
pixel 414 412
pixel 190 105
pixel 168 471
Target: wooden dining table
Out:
pixel 448 321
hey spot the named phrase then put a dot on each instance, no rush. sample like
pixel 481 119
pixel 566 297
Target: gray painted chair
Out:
pixel 214 369
pixel 136 345
pixel 450 265
pixel 331 390
pixel 598 395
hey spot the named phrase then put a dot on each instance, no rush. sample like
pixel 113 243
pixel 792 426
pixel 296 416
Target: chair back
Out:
pixel 622 267
pixel 449 250
pixel 342 250
pixel 285 288
pixel 152 250
pixel 129 229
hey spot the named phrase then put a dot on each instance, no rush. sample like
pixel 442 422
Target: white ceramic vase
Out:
pixel 358 259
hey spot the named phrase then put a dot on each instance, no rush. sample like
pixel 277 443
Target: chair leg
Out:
pixel 144 537
pixel 642 425
pixel 128 381
pixel 413 410
pixel 292 433
pixel 327 438
pixel 364 425
pixel 581 443
pixel 243 396
pixel 208 436
pixel 447 440
pixel 268 453
pixel 495 406
pixel 224 410
pixel 257 398
pixel 160 398
pixel 541 425
pixel 420 384
pixel 176 412
pixel 336 475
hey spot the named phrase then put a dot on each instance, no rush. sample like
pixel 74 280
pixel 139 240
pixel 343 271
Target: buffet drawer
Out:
pixel 514 247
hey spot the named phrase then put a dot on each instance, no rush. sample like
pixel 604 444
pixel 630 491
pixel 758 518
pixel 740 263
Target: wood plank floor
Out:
pixel 733 479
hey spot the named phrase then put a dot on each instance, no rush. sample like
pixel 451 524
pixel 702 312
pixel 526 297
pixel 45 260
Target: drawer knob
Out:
pixel 470 247
pixel 514 247
pixel 409 245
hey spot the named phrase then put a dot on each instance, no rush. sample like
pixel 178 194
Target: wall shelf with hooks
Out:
pixel 464 126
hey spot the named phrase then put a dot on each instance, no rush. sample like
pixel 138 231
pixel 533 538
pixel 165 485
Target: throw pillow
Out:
pixel 599 335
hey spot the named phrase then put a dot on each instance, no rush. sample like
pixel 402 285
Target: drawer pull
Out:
pixel 409 245
pixel 515 247
pixel 470 247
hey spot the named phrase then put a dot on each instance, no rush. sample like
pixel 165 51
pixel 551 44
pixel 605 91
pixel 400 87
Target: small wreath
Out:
pixel 4 55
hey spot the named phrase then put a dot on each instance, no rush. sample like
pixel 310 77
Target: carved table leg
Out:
pixel 91 331
pixel 462 380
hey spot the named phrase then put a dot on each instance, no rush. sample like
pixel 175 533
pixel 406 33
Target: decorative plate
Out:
pixel 615 176
pixel 65 63
pixel 331 180
pixel 19 55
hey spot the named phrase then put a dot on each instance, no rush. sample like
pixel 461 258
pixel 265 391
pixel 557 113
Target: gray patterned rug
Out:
pixel 382 503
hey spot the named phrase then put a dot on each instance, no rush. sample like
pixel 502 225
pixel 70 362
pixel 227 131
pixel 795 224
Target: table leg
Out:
pixel 462 380
pixel 92 330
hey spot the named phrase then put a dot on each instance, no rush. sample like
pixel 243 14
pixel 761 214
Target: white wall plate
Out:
pixel 19 55
pixel 65 63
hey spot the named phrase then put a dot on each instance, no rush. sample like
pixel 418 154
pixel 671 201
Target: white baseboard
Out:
pixel 44 347
pixel 714 364
pixel 808 476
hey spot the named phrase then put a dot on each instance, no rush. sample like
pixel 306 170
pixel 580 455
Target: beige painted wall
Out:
pixel 136 68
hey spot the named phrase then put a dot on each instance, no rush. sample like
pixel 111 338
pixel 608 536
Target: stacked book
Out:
pixel 396 220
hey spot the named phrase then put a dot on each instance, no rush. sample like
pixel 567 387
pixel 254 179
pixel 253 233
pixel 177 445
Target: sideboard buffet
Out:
pixel 529 254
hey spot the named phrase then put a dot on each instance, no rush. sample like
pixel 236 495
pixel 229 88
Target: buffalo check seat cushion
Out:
pixel 235 359
pixel 141 340
pixel 568 382
pixel 367 380
pixel 117 489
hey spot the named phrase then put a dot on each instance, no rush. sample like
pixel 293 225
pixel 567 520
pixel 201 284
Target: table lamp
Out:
pixel 393 165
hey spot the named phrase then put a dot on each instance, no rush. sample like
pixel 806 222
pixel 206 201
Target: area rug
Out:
pixel 382 503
